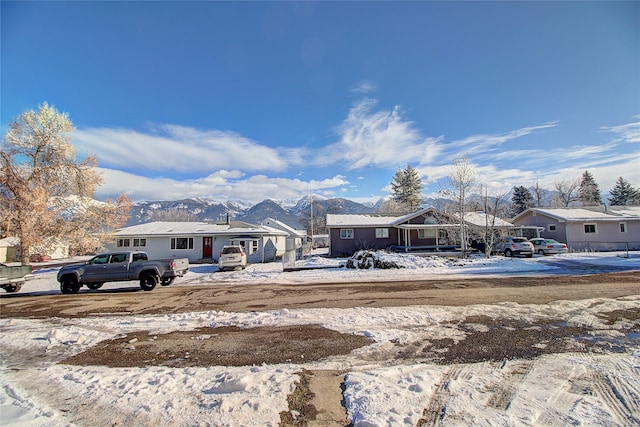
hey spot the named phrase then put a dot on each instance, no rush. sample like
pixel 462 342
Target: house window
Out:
pixel 590 228
pixel 346 233
pixel 123 243
pixel 623 227
pixel 426 233
pixel 254 246
pixel 552 227
pixel 182 243
pixel 140 243
pixel 382 233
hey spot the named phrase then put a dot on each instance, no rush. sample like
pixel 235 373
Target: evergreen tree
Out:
pixel 521 200
pixel 623 193
pixel 406 188
pixel 589 192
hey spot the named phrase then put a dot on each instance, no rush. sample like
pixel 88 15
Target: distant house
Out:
pixel 426 230
pixel 201 241
pixel 9 249
pixel 600 228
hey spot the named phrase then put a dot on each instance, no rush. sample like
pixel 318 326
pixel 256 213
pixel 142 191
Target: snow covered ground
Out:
pixel 555 389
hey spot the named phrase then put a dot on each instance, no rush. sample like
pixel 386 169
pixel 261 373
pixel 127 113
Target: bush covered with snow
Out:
pixel 370 259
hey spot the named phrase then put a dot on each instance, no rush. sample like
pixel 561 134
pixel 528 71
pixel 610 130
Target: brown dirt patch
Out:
pixel 225 346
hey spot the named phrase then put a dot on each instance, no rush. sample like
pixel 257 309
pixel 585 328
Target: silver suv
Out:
pixel 514 246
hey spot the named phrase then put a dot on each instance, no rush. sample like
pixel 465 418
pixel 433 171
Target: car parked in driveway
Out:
pixel 514 246
pixel 232 257
pixel 544 246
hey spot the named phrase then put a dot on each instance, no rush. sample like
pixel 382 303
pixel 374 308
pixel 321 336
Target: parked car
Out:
pixel 514 246
pixel 548 246
pixel 232 257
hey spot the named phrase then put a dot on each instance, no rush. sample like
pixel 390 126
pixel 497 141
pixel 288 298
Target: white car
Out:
pixel 548 246
pixel 232 257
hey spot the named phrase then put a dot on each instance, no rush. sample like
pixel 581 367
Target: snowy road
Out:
pixel 594 380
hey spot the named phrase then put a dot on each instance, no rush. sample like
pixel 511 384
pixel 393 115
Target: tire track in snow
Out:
pixel 620 397
pixel 435 412
pixel 505 390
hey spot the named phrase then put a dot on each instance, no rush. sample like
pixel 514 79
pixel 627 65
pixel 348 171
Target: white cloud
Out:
pixel 221 185
pixel 377 138
pixel 629 132
pixel 171 148
pixel 364 87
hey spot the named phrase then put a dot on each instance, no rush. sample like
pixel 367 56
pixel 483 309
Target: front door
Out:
pixel 207 247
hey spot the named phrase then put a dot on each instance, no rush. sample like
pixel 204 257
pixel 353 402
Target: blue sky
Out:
pixel 254 100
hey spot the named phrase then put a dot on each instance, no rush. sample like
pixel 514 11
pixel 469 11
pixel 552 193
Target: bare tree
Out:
pixel 461 180
pixel 39 174
pixel 566 192
pixel 489 230
pixel 538 192
pixel 171 215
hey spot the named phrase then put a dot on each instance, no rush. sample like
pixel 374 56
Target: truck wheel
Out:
pixel 148 282
pixel 69 286
pixel 168 281
pixel 94 286
pixel 14 287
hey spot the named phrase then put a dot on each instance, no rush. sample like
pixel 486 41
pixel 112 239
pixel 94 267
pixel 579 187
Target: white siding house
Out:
pixel 201 241
pixel 601 228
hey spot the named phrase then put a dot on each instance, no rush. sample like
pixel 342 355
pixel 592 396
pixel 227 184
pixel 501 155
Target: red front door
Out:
pixel 207 247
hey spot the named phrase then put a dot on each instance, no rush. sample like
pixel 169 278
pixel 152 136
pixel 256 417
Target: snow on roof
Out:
pixel 160 228
pixel 600 213
pixel 279 225
pixel 482 219
pixel 360 220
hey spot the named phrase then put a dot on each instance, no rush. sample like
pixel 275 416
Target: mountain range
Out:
pixel 296 215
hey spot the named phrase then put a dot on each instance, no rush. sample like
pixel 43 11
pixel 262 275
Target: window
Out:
pixel 590 228
pixel 118 258
pixel 182 243
pixel 124 243
pixel 346 233
pixel 254 246
pixel 140 243
pixel 426 233
pixel 623 227
pixel 382 233
pixel 552 227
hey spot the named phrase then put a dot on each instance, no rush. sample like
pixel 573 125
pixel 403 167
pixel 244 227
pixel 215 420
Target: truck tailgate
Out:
pixel 181 265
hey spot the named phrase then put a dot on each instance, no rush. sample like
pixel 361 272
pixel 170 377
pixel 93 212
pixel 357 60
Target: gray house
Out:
pixel 425 230
pixel 201 241
pixel 600 228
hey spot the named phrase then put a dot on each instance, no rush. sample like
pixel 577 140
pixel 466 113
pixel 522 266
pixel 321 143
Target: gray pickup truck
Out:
pixel 121 267
pixel 13 277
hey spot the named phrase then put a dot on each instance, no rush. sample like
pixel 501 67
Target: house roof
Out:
pixel 160 228
pixel 360 220
pixel 373 220
pixel 595 213
pixel 274 223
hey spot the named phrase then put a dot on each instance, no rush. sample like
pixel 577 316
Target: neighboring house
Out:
pixel 427 230
pixel 201 241
pixel 9 250
pixel 600 228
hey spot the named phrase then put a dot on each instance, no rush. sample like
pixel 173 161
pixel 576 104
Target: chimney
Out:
pixel 228 219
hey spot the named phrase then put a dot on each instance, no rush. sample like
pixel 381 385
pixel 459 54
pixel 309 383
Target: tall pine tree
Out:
pixel 521 200
pixel 623 193
pixel 406 188
pixel 589 192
